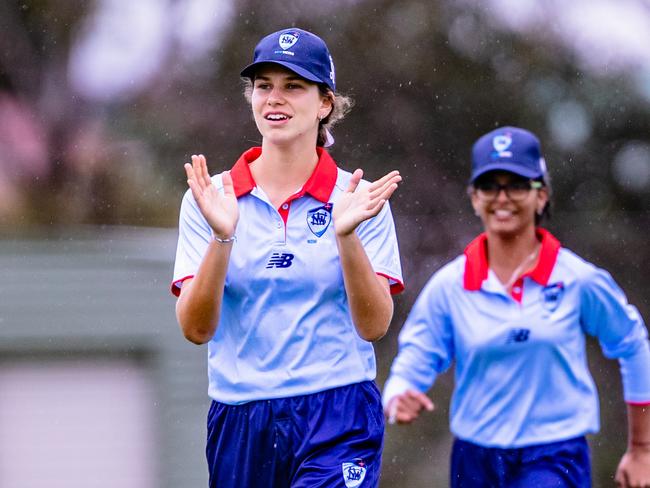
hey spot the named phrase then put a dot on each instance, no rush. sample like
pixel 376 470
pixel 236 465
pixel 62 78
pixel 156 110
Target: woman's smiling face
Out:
pixel 287 107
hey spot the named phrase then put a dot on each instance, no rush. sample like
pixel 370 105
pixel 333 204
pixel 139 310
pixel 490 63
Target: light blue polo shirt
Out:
pixel 285 326
pixel 521 373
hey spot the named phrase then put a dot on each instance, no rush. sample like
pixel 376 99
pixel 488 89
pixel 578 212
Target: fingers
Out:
pixel 197 191
pixel 354 181
pixel 200 171
pixel 405 408
pixel 228 187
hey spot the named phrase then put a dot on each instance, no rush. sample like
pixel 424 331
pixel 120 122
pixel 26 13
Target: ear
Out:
pixel 475 201
pixel 326 106
pixel 542 200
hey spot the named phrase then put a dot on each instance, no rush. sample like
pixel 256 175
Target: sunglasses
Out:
pixel 515 190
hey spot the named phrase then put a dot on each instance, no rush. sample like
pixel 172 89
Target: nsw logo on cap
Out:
pixel 501 143
pixel 288 39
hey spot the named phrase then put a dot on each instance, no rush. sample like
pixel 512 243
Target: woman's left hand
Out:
pixel 359 204
pixel 634 469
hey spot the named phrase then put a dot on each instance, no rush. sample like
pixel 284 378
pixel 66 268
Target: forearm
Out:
pixel 371 305
pixel 638 419
pixel 199 305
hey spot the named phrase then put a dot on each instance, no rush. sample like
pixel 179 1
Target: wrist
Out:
pixel 221 239
pixel 639 447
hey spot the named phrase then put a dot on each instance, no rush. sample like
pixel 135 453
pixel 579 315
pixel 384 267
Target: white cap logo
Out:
pixel 288 39
pixel 501 143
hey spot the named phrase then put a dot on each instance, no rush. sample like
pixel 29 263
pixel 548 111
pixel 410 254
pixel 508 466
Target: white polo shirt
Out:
pixel 521 374
pixel 285 326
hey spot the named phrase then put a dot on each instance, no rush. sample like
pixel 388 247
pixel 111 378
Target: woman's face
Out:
pixel 287 107
pixel 507 203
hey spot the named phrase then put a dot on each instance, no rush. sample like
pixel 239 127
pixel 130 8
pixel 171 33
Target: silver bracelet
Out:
pixel 225 241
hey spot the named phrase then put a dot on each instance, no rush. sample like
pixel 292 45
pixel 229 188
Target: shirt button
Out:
pixel 285 206
pixel 279 225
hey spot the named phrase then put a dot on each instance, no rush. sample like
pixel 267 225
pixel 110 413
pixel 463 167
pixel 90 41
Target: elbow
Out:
pixel 374 331
pixel 192 329
pixel 375 325
pixel 196 337
pixel 374 336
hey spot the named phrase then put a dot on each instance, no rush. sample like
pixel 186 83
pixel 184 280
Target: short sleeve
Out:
pixel 379 240
pixel 193 239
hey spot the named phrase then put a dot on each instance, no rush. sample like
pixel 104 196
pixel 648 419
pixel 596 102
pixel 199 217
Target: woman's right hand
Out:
pixel 220 210
pixel 406 407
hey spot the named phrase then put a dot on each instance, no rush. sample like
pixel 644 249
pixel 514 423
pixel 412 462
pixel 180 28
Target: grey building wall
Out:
pixel 104 293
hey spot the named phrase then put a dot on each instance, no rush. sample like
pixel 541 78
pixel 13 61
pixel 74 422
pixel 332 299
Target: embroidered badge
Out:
pixel 552 295
pixel 501 143
pixel 288 39
pixel 318 219
pixel 354 472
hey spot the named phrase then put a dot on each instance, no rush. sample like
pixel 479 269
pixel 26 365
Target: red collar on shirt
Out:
pixel 476 264
pixel 319 185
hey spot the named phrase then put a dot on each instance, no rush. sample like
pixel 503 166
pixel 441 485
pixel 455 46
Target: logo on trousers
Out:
pixel 354 473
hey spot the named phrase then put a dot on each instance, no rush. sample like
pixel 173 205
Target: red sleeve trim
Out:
pixel 176 285
pixel 396 287
pixel 639 404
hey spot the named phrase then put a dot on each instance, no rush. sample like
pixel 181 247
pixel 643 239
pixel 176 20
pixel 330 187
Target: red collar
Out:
pixel 476 264
pixel 319 185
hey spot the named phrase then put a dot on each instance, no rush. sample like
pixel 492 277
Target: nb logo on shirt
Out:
pixel 280 260
pixel 518 335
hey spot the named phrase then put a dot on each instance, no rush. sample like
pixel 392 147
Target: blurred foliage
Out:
pixel 428 78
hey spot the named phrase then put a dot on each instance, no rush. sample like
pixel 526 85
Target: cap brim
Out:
pixel 503 166
pixel 249 71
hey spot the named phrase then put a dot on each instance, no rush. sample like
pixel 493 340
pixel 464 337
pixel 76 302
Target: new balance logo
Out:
pixel 518 335
pixel 280 260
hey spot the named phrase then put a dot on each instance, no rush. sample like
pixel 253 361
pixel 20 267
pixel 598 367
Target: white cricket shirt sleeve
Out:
pixel 193 239
pixel 426 346
pixel 606 314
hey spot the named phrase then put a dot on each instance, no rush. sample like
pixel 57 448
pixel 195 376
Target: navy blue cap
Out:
pixel 302 52
pixel 508 149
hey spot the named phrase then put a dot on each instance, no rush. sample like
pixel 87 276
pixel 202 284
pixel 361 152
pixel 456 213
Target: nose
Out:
pixel 275 96
pixel 502 195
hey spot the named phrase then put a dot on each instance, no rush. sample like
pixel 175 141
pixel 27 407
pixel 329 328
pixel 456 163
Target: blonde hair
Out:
pixel 341 105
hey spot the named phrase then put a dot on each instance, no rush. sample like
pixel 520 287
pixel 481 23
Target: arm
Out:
pixel 199 305
pixel 622 334
pixel 371 305
pixel 634 468
pixel 425 350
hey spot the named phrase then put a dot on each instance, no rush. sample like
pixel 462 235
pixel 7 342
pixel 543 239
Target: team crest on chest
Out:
pixel 552 295
pixel 318 219
pixel 354 473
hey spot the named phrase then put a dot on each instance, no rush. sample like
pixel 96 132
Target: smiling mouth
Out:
pixel 276 117
pixel 503 214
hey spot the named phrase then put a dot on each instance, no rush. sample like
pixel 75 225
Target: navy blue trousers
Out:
pixel 564 464
pixel 328 439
